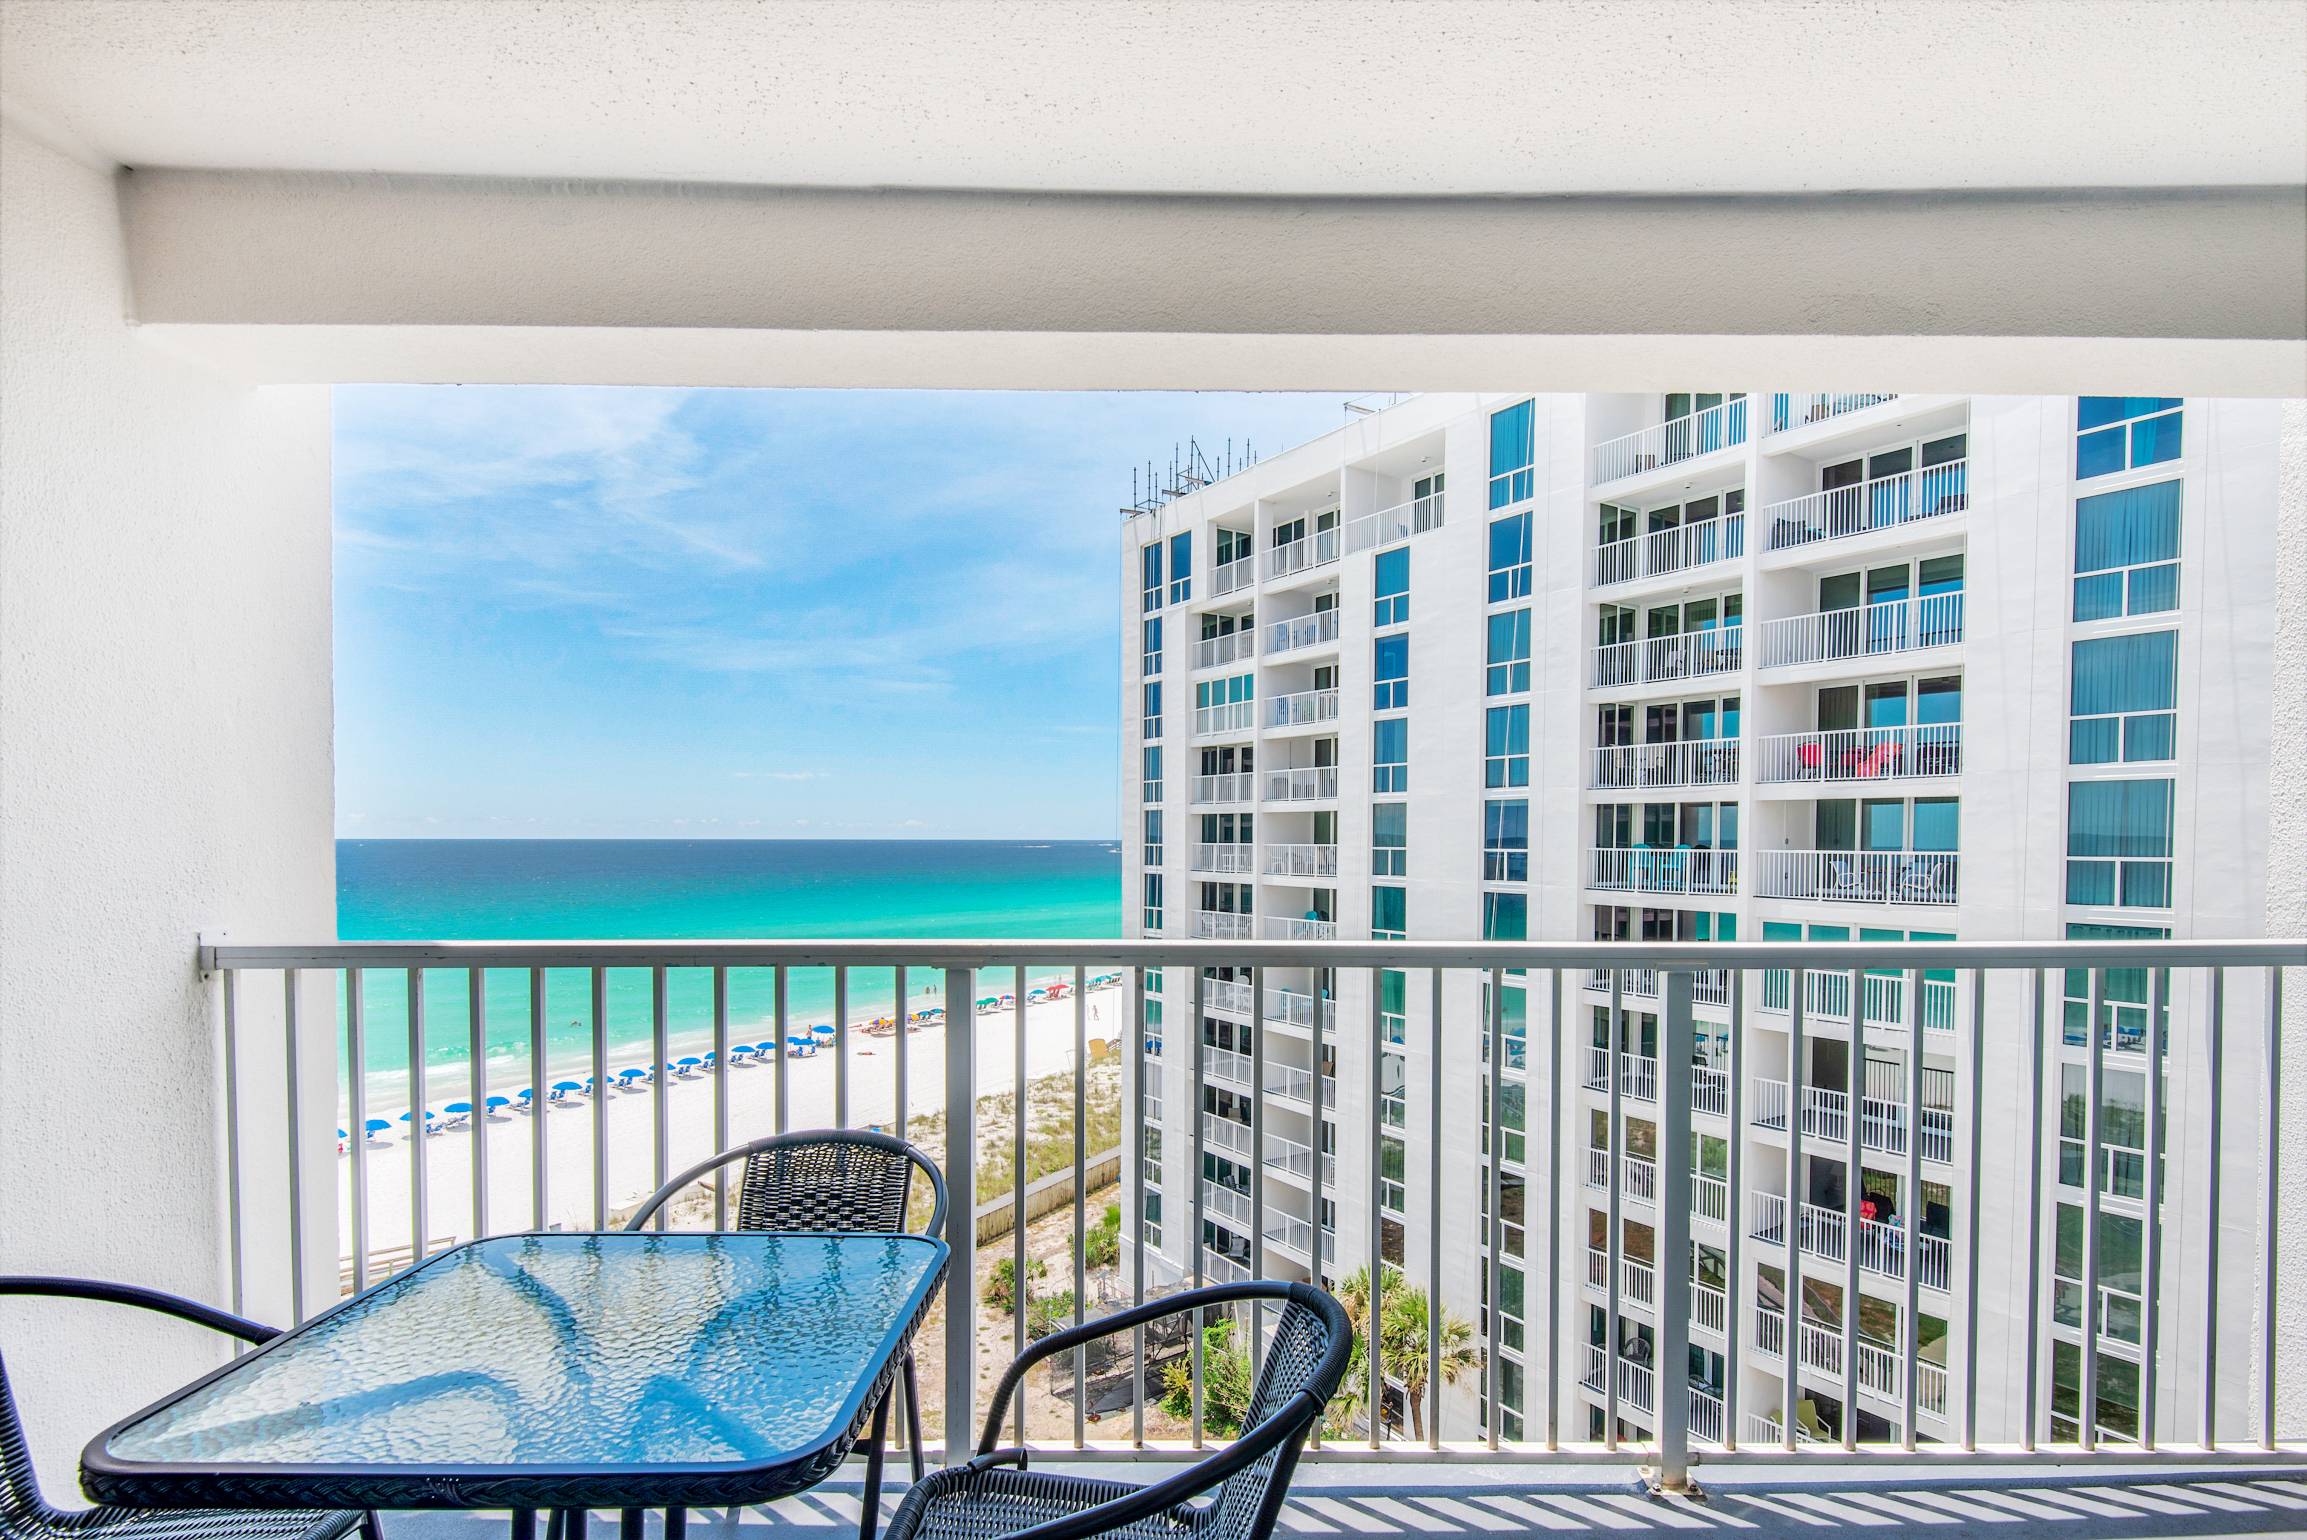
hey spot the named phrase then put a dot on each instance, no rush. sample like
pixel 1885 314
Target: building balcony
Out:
pixel 1281 929
pixel 1859 754
pixel 1858 876
pixel 1392 526
pixel 1307 708
pixel 1292 1007
pixel 1838 514
pixel 1229 996
pixel 1225 790
pixel 1639 766
pixel 1709 986
pixel 1862 636
pixel 1209 926
pixel 1230 1208
pixel 1234 647
pixel 1301 860
pixel 1221 859
pixel 1826 997
pixel 1317 550
pixel 1297 1085
pixel 1233 576
pixel 1669 659
pixel 1291 1233
pixel 1235 717
pixel 1788 412
pixel 1317 783
pixel 1665 551
pixel 1640 869
pixel 1671 443
pixel 1307 632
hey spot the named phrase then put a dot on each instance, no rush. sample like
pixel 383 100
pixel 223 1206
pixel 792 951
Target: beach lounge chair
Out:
pixel 378 1126
pixel 690 1066
pixel 494 1102
pixel 561 1091
pixel 455 1113
pixel 828 1179
pixel 1245 1482
pixel 25 1515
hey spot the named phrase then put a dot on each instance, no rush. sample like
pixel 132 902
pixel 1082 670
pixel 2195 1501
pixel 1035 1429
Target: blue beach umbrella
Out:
pixel 378 1126
pixel 687 1063
pixel 626 1077
pixel 564 1088
pixel 501 1101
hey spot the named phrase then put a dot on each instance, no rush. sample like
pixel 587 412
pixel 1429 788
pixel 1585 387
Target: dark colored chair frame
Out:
pixel 774 1195
pixel 1280 1418
pixel 24 1512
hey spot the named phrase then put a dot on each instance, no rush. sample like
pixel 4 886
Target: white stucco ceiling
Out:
pixel 1335 97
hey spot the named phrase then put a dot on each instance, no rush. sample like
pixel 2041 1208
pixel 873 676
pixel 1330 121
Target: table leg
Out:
pixel 870 1518
pixel 913 1415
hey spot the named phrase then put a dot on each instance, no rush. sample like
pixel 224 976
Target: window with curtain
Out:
pixel 1508 657
pixel 1181 567
pixel 1506 760
pixel 1510 558
pixel 1150 574
pixel 1153 837
pixel 1152 661
pixel 1391 670
pixel 1153 709
pixel 2127 552
pixel 1510 457
pixel 1505 917
pixel 1150 786
pixel 1506 840
pixel 1390 839
pixel 1390 755
pixel 1389 914
pixel 1393 574
pixel 2122 698
pixel 2119 433
pixel 1153 901
pixel 2119 843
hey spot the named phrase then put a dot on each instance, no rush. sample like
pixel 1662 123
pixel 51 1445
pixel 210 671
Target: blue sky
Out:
pixel 610 612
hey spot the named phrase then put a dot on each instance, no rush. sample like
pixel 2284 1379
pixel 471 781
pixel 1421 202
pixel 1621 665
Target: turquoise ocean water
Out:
pixel 608 890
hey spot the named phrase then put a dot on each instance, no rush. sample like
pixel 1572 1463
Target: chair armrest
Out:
pixel 143 1299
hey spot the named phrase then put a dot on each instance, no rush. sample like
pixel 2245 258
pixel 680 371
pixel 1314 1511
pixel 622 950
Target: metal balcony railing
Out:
pixel 1858 635
pixel 1233 576
pixel 1315 784
pixel 1221 790
pixel 1307 708
pixel 1860 876
pixel 1635 766
pixel 1861 754
pixel 1315 630
pixel 1232 647
pixel 1279 928
pixel 1240 859
pixel 1670 659
pixel 1318 550
pixel 1391 526
pixel 1640 869
pixel 1239 716
pixel 1213 926
pixel 1858 510
pixel 1301 860
pixel 1790 411
pixel 1671 442
pixel 547 1027
pixel 1664 551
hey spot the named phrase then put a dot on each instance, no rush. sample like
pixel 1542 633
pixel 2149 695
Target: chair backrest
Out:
pixel 820 1179
pixel 20 1502
pixel 1308 1352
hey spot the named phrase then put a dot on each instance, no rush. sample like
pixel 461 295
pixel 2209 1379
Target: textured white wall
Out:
pixel 2287 893
pixel 165 768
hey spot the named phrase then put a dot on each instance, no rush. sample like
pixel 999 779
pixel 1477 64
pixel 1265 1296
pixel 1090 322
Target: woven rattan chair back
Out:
pixel 851 1180
pixel 1239 1509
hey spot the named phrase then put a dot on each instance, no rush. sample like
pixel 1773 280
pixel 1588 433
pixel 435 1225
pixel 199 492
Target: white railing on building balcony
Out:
pixel 1239 716
pixel 1225 858
pixel 1317 550
pixel 1291 1231
pixel 1634 1386
pixel 1823 1114
pixel 526 1167
pixel 1670 659
pixel 1217 1267
pixel 1670 550
pixel 1217 650
pixel 1211 926
pixel 1317 783
pixel 1795 411
pixel 1638 1076
pixel 1228 995
pixel 1641 869
pixel 1858 754
pixel 1638 1178
pixel 1705 1415
pixel 1301 860
pixel 1391 526
pixel 1672 441
pixel 1598 1169
pixel 1221 789
pixel 1279 928
pixel 1597 1364
pixel 1710 1093
pixel 1299 1009
pixel 1307 708
pixel 1313 630
pixel 1635 766
pixel 1297 1085
pixel 1859 635
pixel 1827 998
pixel 1885 504
pixel 1859 876
pixel 1233 576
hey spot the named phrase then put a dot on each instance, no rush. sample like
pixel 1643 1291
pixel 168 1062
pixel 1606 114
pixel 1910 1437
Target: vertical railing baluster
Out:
pixel 841 1047
pixel 1494 1146
pixel 961 1221
pixel 1018 1333
pixel 2270 1085
pixel 232 1223
pixel 1433 1212
pixel 1080 1194
pixel 660 1123
pixel 1257 1346
pixel 785 1050
pixel 841 1055
pixel 2031 1399
pixel 600 1098
pixel 420 1195
pixel 2207 1416
pixel 1315 1161
pixel 1736 1311
pixel 1911 1236
pixel 1975 1056
pixel 2151 1231
pixel 1670 1380
pixel 1854 1114
pixel 539 1073
pixel 295 1155
pixel 477 1028
pixel 901 1087
pixel 2087 1409
pixel 1133 1085
pixel 1614 1255
pixel 356 1090
pixel 1194 1177
pixel 720 1095
pixel 1790 1216
pixel 1373 1354
pixel 1553 1211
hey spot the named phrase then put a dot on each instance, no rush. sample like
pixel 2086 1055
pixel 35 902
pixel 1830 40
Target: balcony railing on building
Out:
pixel 1228 995
pixel 1641 869
pixel 1232 576
pixel 1239 716
pixel 1317 783
pixel 1841 512
pixel 1826 997
pixel 1279 928
pixel 1297 1085
pixel 1867 632
pixel 1662 551
pixel 1861 754
pixel 1296 1008
pixel 1307 708
pixel 1667 659
pixel 1633 766
pixel 1391 526
pixel 1232 647
pixel 1315 630
pixel 1223 789
pixel 1301 860
pixel 1709 986
pixel 1672 441
pixel 1793 411
pixel 1859 876
pixel 1300 555
pixel 1225 858
pixel 1210 925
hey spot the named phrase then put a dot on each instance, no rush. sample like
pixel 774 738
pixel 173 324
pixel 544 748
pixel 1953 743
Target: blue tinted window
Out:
pixel 2155 440
pixel 2101 453
pixel 1390 741
pixel 1508 653
pixel 2119 819
pixel 1505 917
pixel 2100 597
pixel 2115 674
pixel 2127 528
pixel 2154 589
pixel 1510 558
pixel 1393 661
pixel 2098 411
pixel 1393 572
pixel 1388 911
pixel 1181 556
pixel 1510 438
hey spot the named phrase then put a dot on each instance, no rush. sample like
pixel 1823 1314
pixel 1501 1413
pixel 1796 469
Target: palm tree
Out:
pixel 1403 1316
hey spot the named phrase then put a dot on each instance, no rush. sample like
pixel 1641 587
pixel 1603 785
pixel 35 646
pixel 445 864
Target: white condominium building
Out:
pixel 1704 666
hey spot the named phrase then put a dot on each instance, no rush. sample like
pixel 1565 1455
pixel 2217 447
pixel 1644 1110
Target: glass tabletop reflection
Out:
pixel 567 1351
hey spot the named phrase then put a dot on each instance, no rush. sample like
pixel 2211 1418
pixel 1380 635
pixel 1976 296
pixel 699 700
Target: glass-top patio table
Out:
pixel 549 1371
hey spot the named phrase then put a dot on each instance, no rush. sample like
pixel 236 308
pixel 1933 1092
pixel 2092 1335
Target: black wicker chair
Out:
pixel 1304 1362
pixel 840 1179
pixel 25 1515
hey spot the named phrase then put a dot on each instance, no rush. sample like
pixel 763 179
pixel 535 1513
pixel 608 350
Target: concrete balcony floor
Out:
pixel 1344 1496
